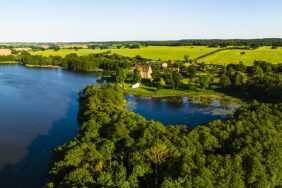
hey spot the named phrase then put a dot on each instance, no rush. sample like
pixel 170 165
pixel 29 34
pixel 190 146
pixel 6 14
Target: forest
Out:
pixel 118 148
pixel 254 43
pixel 196 42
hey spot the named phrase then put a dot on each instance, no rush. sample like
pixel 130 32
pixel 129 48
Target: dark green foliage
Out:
pixel 266 88
pixel 173 79
pixel 117 148
pixel 263 81
pixel 91 62
pixel 205 81
pixel 225 82
pixel 137 77
pixel 253 43
pixel 192 71
pixel 7 58
pixel 121 75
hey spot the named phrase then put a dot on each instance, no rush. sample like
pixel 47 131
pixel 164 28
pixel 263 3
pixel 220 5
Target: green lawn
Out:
pixel 234 56
pixel 150 91
pixel 151 52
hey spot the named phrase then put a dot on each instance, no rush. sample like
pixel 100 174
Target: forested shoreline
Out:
pixel 117 148
pixel 262 81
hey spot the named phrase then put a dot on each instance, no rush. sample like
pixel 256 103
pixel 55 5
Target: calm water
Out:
pixel 38 109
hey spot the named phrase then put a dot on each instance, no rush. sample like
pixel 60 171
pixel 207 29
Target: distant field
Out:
pixel 234 56
pixel 5 52
pixel 152 52
pixel 177 53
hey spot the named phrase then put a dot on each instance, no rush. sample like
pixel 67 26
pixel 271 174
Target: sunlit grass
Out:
pixel 152 52
pixel 234 56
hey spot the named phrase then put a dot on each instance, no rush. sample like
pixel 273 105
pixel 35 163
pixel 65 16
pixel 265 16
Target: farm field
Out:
pixel 5 52
pixel 234 56
pixel 165 53
pixel 152 52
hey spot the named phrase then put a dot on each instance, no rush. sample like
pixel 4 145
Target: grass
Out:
pixel 177 53
pixel 152 52
pixel 234 56
pixel 149 91
pixel 43 66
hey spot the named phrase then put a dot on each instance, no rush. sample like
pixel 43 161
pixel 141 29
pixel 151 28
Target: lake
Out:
pixel 39 109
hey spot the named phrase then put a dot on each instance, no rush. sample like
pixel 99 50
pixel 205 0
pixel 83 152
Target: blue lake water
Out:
pixel 38 112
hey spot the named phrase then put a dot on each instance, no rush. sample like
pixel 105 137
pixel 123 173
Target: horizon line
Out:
pixel 115 41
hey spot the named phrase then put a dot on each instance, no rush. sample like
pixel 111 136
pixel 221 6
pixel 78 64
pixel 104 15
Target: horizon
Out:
pixel 117 41
pixel 50 21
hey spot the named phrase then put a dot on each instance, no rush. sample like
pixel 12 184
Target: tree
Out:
pixel 177 77
pixel 238 80
pixel 205 81
pixel 225 81
pixel 186 58
pixel 157 154
pixel 137 77
pixel 121 75
pixel 192 71
pixel 258 71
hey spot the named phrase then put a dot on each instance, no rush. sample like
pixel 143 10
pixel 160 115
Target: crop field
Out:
pixel 177 53
pixel 5 52
pixel 152 52
pixel 234 56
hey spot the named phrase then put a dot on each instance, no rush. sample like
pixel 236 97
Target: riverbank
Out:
pixel 9 62
pixel 43 66
pixel 203 96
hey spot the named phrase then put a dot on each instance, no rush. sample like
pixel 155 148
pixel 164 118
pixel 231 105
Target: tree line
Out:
pixel 74 62
pixel 218 42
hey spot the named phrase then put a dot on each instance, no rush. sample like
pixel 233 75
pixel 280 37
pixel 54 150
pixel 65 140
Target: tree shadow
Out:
pixel 32 171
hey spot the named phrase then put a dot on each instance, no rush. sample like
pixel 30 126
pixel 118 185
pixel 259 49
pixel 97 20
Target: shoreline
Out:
pixel 149 91
pixel 43 66
pixel 9 62
pixel 203 97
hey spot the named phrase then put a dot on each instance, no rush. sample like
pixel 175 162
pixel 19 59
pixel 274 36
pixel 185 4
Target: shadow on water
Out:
pixel 32 170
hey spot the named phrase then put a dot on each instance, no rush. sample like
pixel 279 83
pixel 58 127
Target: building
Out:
pixel 164 65
pixel 145 71
pixel 173 69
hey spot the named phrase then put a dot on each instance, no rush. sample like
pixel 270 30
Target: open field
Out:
pixel 234 56
pixel 150 91
pixel 152 52
pixel 5 52
pixel 177 53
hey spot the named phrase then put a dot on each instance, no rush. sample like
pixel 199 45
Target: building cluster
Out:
pixel 146 71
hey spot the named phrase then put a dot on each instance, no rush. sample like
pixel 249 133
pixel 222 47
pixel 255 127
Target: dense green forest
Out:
pixel 197 42
pixel 74 62
pixel 118 148
pixel 219 42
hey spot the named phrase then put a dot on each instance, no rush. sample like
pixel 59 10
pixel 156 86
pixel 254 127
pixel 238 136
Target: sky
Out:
pixel 123 20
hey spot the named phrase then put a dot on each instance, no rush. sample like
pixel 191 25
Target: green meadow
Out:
pixel 152 52
pixel 234 56
pixel 177 53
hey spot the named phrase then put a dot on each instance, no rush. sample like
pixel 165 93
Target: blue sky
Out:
pixel 106 20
